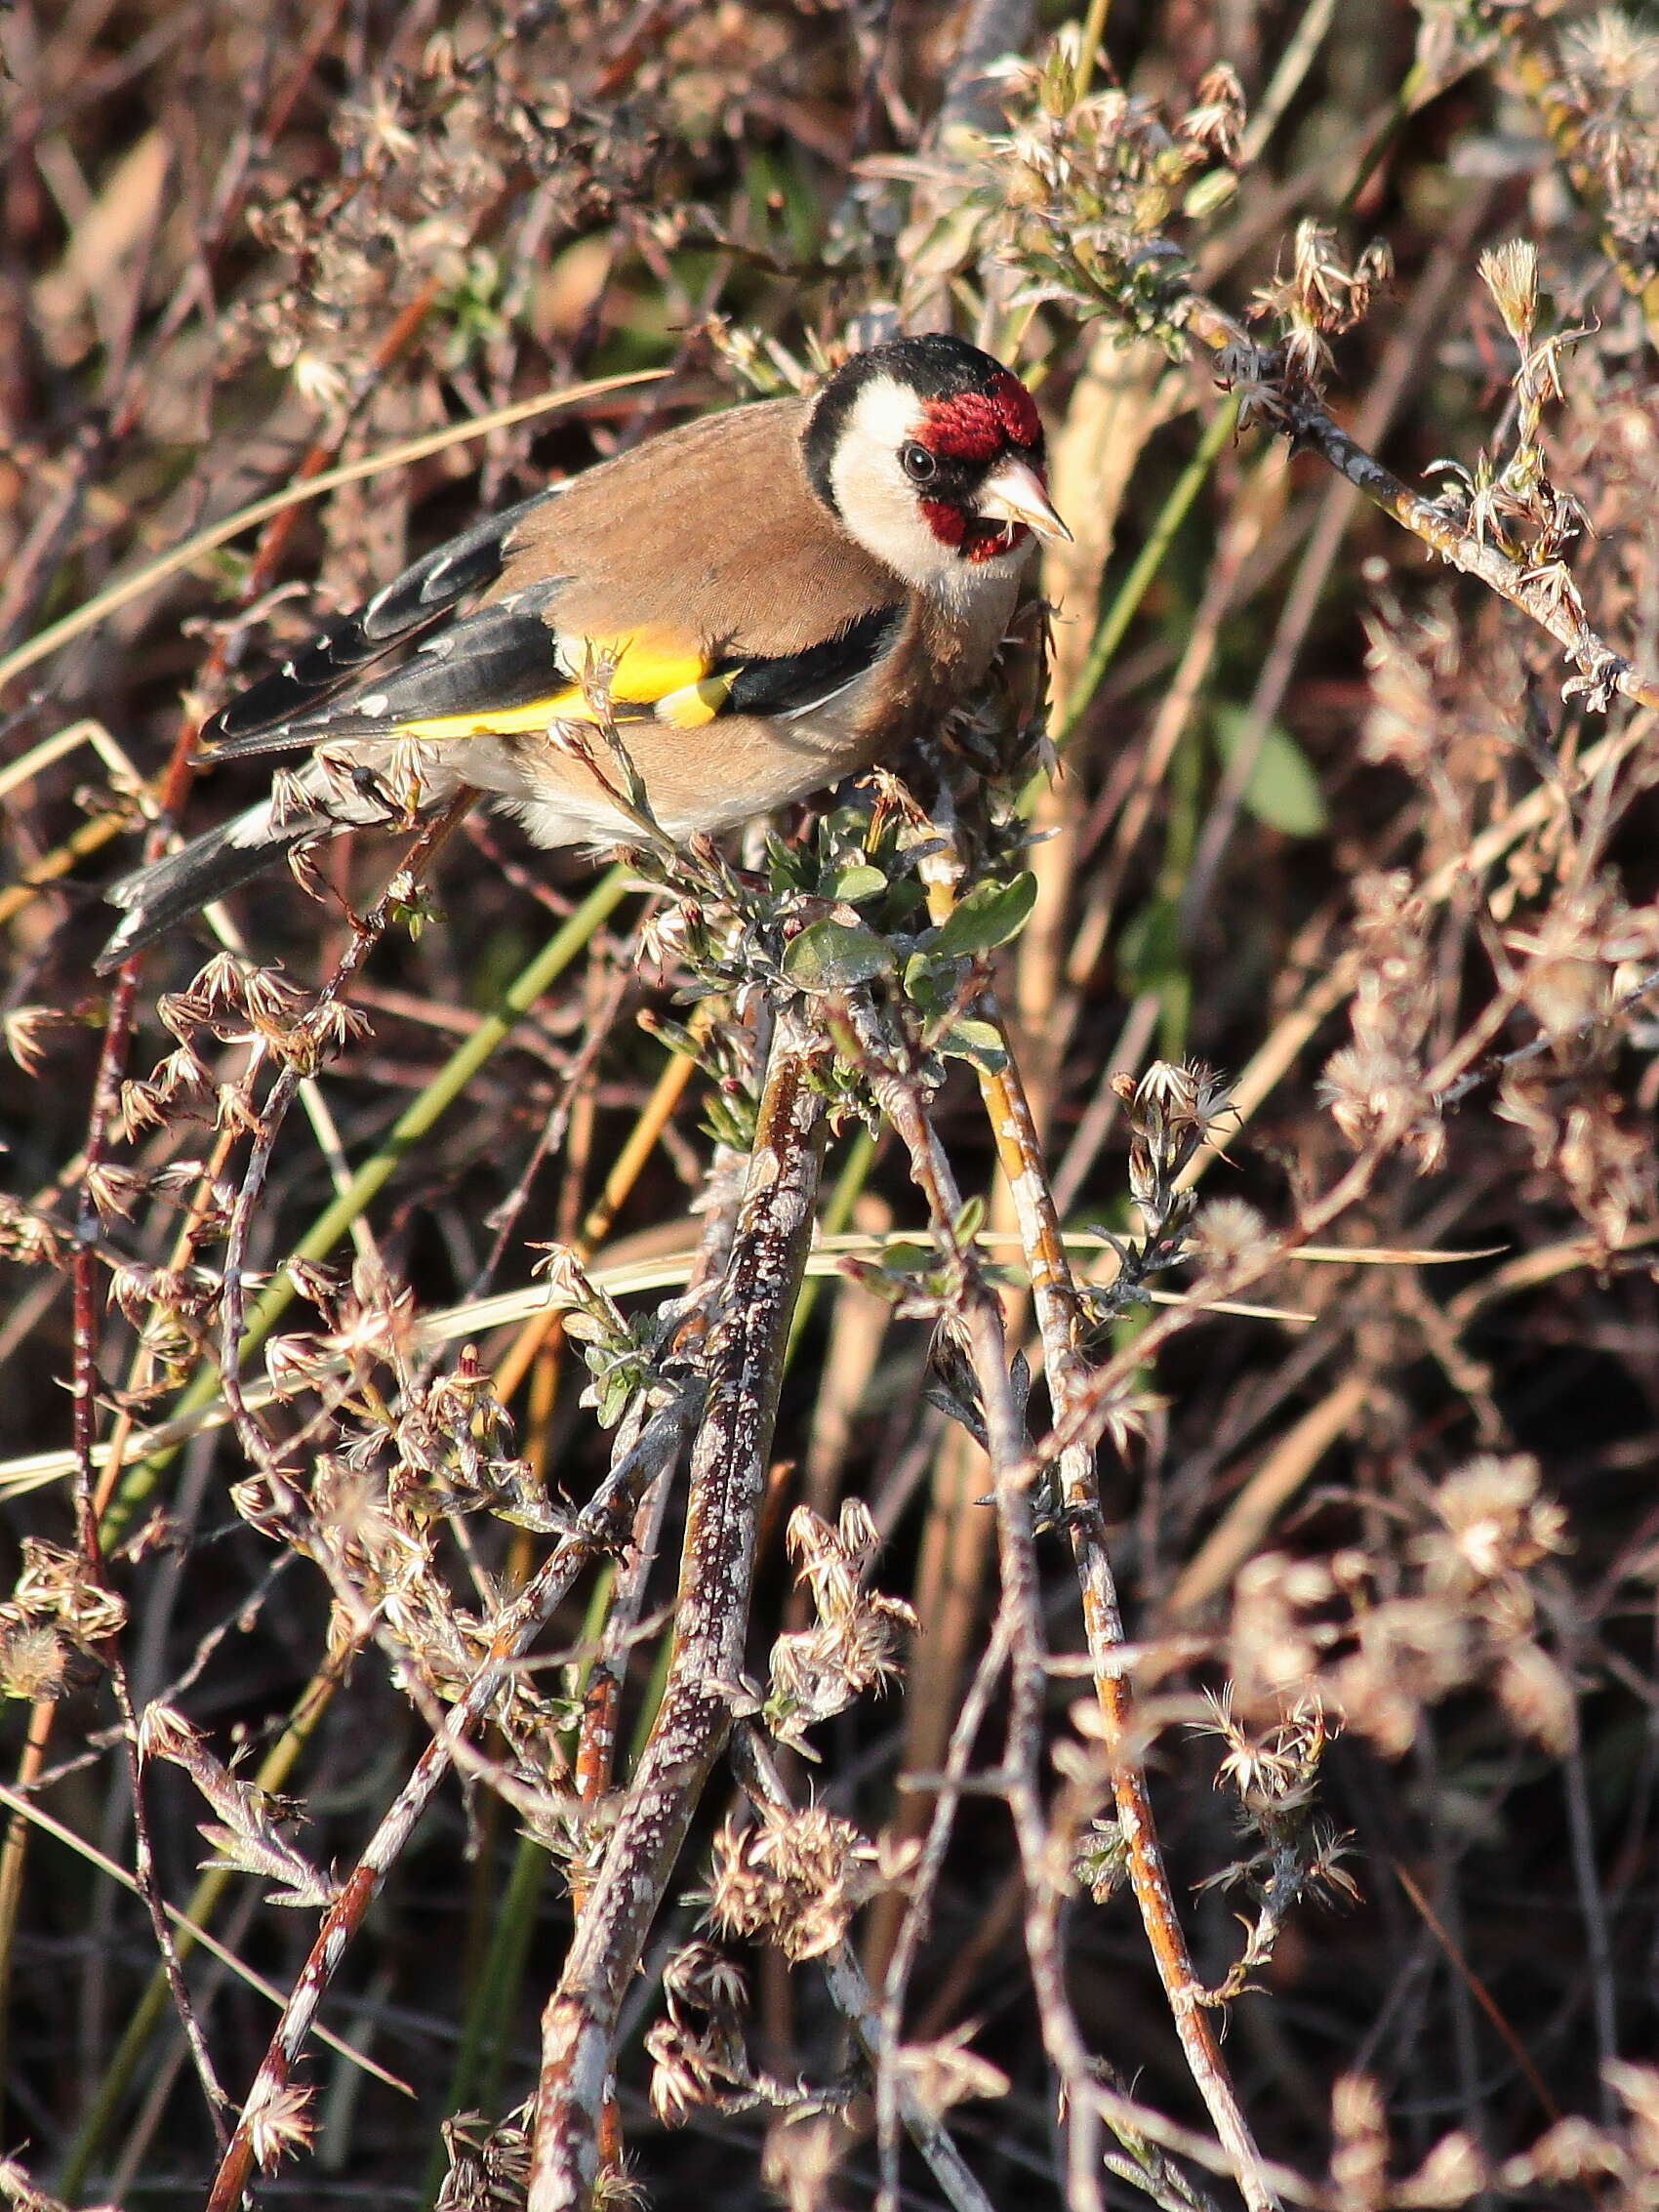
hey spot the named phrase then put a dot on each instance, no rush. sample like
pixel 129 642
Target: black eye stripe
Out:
pixel 953 480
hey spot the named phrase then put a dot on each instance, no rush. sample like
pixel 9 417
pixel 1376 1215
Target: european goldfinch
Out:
pixel 759 603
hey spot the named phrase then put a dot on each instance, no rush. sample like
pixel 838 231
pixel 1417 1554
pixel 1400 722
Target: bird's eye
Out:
pixel 920 466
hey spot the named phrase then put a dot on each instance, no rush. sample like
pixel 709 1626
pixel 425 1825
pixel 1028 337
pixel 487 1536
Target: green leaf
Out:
pixel 987 916
pixel 1283 791
pixel 908 1259
pixel 927 984
pixel 904 897
pixel 856 881
pixel 834 956
pixel 729 1126
pixel 1148 947
pixel 970 1220
pixel 976 1040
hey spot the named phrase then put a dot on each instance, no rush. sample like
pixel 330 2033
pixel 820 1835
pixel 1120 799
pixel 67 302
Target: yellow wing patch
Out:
pixel 501 721
pixel 648 670
pixel 650 666
pixel 695 704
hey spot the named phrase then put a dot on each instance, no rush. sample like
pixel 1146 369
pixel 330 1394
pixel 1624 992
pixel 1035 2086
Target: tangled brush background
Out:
pixel 1125 1667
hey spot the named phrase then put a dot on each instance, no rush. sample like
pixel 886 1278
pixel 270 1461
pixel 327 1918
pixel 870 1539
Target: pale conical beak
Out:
pixel 1014 492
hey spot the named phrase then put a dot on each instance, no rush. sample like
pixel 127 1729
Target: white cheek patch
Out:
pixel 881 509
pixel 878 504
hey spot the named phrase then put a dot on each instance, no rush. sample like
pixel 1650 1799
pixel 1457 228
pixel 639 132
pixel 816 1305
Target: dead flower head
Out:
pixel 1497 1521
pixel 794 1877
pixel 854 1645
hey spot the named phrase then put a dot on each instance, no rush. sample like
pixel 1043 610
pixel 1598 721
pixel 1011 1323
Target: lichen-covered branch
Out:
pixel 694 1718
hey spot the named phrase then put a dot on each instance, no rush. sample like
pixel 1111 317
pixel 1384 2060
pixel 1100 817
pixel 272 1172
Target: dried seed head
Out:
pixel 1274 1770
pixel 947 2073
pixel 794 1877
pixel 1500 1523
pixel 278 2121
pixel 1229 1232
pixel 1215 123
pixel 53 1589
pixel 1538 1697
pixel 1359 2148
pixel 1510 272
pixel 1451 2174
pixel 33 1660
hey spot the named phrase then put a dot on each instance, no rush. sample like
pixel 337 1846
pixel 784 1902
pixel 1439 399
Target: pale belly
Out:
pixel 711 778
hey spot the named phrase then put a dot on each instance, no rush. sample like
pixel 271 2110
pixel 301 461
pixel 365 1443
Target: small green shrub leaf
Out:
pixel 976 1040
pixel 1283 792
pixel 855 883
pixel 834 956
pixel 987 916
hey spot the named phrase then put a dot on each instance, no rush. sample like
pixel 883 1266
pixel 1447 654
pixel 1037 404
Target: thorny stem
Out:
pixel 143 1871
pixel 1090 1410
pixel 1018 1621
pixel 1054 1299
pixel 1305 423
pixel 923 1882
pixel 473 2083
pixel 365 936
pixel 694 1720
pixel 106 1090
pixel 1602 672
pixel 1087 2099
pixel 596 1738
pixel 1022 1607
pixel 273 1773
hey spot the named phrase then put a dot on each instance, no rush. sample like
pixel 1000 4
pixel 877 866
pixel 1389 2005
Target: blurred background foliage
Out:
pixel 1326 815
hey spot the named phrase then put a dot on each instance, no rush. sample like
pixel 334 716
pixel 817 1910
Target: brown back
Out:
pixel 710 532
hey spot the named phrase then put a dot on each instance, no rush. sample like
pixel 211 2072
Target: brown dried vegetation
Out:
pixel 1136 1678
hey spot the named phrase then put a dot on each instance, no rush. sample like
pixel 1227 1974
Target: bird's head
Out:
pixel 931 455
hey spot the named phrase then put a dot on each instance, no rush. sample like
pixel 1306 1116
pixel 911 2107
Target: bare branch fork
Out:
pixel 1054 1297
pixel 977 1316
pixel 728 1473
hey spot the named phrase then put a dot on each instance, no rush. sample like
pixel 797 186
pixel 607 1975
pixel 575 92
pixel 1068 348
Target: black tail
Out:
pixel 157 898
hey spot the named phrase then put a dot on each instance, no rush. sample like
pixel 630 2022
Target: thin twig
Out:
pixel 758 1771
pixel 600 1525
pixel 1055 1301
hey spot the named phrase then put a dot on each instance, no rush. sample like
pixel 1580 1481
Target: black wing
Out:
pixel 506 666
pixel 494 661
pixel 396 613
pixel 797 682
